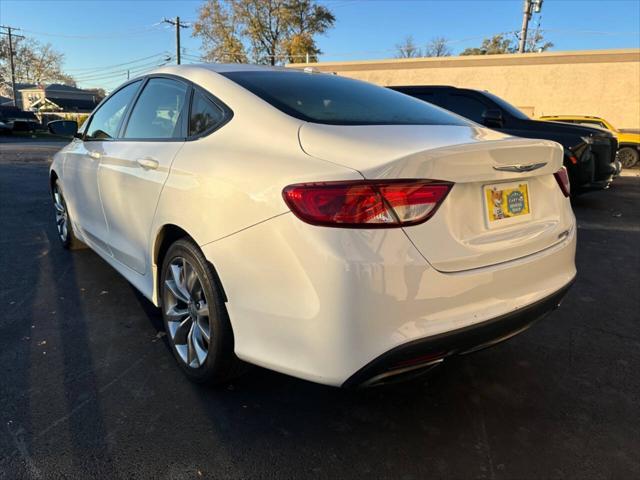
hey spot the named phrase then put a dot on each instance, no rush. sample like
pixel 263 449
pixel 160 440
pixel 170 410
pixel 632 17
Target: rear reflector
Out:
pixel 563 181
pixel 365 203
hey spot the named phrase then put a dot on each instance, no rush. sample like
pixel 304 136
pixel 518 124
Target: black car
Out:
pixel 16 120
pixel 589 152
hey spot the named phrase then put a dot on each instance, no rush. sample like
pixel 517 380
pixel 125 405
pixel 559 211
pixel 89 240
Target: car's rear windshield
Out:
pixel 502 103
pixel 333 100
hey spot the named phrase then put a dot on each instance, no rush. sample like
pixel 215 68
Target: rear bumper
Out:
pixel 605 169
pixel 618 166
pixel 596 168
pixel 321 303
pixel 419 354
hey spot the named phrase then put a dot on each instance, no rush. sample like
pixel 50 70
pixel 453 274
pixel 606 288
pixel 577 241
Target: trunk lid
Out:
pixel 463 234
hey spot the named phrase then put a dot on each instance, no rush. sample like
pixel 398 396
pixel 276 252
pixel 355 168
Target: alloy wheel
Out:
pixel 627 157
pixel 62 217
pixel 187 312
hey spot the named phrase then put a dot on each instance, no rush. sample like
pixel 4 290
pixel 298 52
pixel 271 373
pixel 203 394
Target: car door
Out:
pixel 82 163
pixel 134 168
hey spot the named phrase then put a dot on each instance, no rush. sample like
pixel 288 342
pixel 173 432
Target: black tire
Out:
pixel 66 235
pixel 628 156
pixel 220 363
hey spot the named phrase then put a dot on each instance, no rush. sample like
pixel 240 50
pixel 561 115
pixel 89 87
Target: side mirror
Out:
pixel 64 128
pixel 493 118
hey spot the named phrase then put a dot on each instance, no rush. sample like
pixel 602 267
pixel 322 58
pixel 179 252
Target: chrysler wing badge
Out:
pixel 520 168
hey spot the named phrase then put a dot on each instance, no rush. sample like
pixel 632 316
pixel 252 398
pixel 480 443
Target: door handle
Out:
pixel 148 163
pixel 94 155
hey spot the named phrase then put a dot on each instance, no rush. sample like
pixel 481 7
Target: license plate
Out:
pixel 507 203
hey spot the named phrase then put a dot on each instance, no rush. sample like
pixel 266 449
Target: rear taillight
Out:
pixel 563 181
pixel 366 204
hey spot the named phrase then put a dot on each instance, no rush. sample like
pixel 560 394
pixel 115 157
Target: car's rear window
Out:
pixel 502 103
pixel 333 100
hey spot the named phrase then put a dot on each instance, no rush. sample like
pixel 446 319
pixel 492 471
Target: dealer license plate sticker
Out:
pixel 507 203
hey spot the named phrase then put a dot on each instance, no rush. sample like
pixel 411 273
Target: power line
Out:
pixel 108 67
pixel 97 76
pixel 149 29
pixel 124 73
pixel 121 75
pixel 588 32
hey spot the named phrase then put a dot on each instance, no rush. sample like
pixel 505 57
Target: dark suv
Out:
pixel 589 152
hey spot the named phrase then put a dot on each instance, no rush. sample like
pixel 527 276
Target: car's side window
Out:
pixel 596 124
pixel 105 122
pixel 205 115
pixel 158 112
pixel 466 106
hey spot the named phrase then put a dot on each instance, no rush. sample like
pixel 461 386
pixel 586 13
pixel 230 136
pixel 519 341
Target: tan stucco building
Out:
pixel 604 83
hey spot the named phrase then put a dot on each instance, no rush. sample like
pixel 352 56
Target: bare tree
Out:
pixel 535 41
pixel 34 62
pixel 437 47
pixel 408 48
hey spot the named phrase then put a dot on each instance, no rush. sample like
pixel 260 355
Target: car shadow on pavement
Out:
pixel 51 399
pixel 263 412
pixel 92 391
pixel 81 388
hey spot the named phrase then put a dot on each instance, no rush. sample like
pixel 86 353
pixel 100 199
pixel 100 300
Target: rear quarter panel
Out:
pixel 233 179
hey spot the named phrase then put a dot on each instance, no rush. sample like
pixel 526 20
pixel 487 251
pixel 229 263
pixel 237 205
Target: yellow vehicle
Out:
pixel 628 142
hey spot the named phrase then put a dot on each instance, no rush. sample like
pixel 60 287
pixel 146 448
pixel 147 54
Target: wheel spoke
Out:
pixel 177 293
pixel 204 332
pixel 190 277
pixel 176 271
pixel 199 348
pixel 180 330
pixel 177 274
pixel 182 351
pixel 191 353
pixel 177 314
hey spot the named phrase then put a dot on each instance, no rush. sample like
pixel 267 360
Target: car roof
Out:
pixel 436 87
pixel 576 117
pixel 416 87
pixel 223 67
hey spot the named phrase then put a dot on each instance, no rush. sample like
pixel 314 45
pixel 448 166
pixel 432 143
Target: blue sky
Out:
pixel 96 34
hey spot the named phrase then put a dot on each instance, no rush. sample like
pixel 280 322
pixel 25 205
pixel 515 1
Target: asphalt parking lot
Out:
pixel 89 387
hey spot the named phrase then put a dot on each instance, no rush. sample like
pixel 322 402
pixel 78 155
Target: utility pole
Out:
pixel 530 6
pixel 178 26
pixel 11 54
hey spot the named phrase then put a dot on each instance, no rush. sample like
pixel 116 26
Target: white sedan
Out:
pixel 315 225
